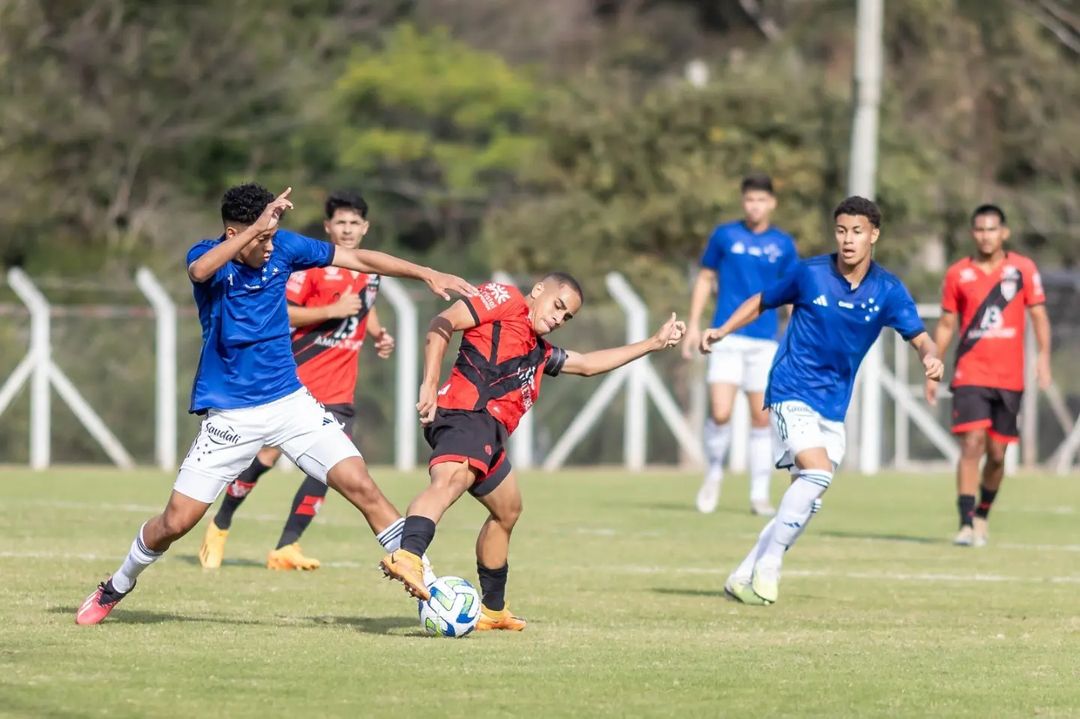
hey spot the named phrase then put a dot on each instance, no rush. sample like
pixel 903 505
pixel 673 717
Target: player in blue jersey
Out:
pixel 741 259
pixel 246 385
pixel 841 302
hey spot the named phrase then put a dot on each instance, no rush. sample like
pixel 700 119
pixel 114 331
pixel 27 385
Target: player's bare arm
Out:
pixel 928 353
pixel 441 329
pixel 261 230
pixel 384 341
pixel 699 297
pixel 380 263
pixel 1040 323
pixel 943 335
pixel 588 364
pixel 346 306
pixel 747 312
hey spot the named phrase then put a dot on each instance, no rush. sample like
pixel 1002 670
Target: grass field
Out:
pixel 622 582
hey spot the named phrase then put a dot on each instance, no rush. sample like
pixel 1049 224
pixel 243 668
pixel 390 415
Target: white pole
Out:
pixel 521 442
pixel 165 360
pixel 687 438
pixel 40 350
pixel 864 138
pixel 408 383
pixel 586 418
pixel 1029 411
pixel 15 381
pixel 740 433
pixel 635 431
pixel 93 423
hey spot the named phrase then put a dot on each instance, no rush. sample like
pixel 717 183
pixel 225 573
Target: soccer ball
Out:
pixel 453 609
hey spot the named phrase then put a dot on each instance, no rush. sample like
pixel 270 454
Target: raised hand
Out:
pixel 443 284
pixel 272 213
pixel 671 333
pixel 708 337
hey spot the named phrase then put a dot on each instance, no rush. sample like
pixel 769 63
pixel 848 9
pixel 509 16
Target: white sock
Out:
pixel 761 463
pixel 717 440
pixel 390 538
pixel 745 570
pixel 139 558
pixel 794 512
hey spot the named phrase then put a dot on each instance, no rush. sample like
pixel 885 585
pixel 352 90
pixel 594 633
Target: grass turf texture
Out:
pixel 621 580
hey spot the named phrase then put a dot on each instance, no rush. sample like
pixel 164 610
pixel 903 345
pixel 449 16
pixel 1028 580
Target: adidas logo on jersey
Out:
pixel 821 301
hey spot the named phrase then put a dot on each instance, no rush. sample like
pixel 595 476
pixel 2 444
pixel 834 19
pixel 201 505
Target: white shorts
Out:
pixel 798 428
pixel 742 361
pixel 230 438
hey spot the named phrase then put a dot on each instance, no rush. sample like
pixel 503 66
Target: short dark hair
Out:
pixel 348 200
pixel 757 181
pixel 565 278
pixel 243 204
pixel 989 210
pixel 856 205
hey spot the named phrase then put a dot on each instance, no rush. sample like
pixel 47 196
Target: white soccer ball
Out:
pixel 453 610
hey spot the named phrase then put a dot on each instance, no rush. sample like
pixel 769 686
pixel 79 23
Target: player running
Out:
pixel 246 383
pixel 840 302
pixel 744 257
pixel 495 380
pixel 989 292
pixel 331 310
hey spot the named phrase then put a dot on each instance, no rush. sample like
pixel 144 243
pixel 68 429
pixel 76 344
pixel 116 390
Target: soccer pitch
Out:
pixel 620 578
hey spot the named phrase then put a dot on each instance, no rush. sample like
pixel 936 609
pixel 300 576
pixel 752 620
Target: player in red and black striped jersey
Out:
pixel 496 379
pixel 332 311
pixel 990 292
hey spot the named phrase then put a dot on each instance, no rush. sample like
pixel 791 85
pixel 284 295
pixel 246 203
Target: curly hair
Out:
pixel 856 205
pixel 242 204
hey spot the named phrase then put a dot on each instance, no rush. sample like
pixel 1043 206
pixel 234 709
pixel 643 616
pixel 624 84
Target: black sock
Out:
pixel 493 586
pixel 417 534
pixel 237 491
pixel 965 504
pixel 986 500
pixel 305 506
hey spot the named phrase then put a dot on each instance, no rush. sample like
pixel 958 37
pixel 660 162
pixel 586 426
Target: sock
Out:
pixel 139 558
pixel 986 500
pixel 306 504
pixel 795 510
pixel 745 570
pixel 390 538
pixel 965 504
pixel 493 586
pixel 417 534
pixel 761 463
pixel 237 491
pixel 717 439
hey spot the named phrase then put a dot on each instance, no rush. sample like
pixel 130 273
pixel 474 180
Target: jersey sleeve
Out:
pixel 198 251
pixel 299 288
pixel 555 361
pixel 901 313
pixel 491 303
pixel 714 250
pixel 1033 286
pixel 785 291
pixel 303 253
pixel 950 292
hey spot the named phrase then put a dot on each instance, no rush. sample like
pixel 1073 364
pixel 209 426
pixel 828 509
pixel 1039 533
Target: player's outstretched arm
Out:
pixel 746 313
pixel 600 361
pixel 943 335
pixel 699 296
pixel 381 263
pixel 209 263
pixel 442 327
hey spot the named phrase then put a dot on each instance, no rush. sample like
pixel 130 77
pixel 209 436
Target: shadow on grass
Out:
pixel 679 591
pixel 884 537
pixel 194 559
pixel 368 625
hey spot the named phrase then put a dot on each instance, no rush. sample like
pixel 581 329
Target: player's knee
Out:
pixel 507 517
pixel 995 455
pixel 974 445
pixel 721 415
pixel 355 481
pixel 175 525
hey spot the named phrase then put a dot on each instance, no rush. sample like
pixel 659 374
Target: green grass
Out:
pixel 620 578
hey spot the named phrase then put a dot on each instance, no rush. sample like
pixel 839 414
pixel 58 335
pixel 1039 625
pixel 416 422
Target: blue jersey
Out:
pixel 247 358
pixel 745 264
pixel 832 328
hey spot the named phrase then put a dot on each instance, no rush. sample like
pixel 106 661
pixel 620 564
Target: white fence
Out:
pixel 639 382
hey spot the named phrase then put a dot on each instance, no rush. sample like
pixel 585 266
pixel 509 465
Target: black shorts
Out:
pixel 996 410
pixel 459 435
pixel 346 414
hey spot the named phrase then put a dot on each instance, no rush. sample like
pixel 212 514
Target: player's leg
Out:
pixel 971 418
pixel 216 456
pixel 306 503
pixel 760 456
pixel 500 494
pixel 212 551
pixel 717 434
pixel 1004 430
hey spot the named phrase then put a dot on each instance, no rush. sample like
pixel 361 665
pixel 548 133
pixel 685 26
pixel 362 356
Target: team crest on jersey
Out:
pixel 773 252
pixel 738 249
pixel 1009 282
